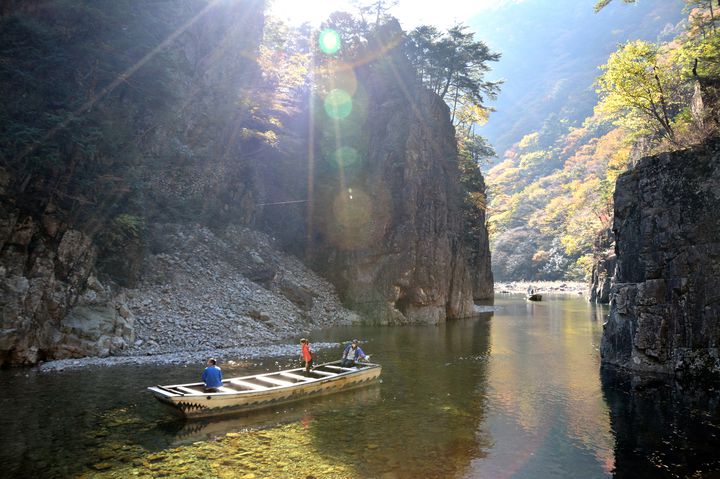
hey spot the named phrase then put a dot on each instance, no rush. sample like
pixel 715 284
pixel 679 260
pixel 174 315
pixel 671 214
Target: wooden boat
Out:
pixel 534 297
pixel 263 390
pixel 213 427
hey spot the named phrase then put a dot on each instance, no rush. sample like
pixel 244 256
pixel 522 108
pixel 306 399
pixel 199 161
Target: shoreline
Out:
pixel 272 349
pixel 542 287
pixel 227 356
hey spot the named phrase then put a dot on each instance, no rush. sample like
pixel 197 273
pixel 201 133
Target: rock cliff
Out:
pixel 124 219
pixel 51 303
pixel 390 231
pixel 111 145
pixel 665 300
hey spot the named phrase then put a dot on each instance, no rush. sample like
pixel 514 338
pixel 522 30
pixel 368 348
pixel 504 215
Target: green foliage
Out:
pixel 561 209
pixel 600 4
pixel 453 64
pixel 551 197
pixel 528 141
pixel 639 91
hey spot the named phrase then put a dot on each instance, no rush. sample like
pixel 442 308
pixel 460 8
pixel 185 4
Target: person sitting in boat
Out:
pixel 352 354
pixel 212 376
pixel 307 354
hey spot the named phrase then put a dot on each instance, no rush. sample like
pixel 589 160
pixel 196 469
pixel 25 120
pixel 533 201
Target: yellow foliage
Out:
pixel 529 141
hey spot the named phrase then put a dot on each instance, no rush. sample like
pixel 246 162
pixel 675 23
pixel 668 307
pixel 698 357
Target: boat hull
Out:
pixel 200 404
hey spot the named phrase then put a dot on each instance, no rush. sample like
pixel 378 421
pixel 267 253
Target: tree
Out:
pixel 637 91
pixel 453 65
pixel 698 17
pixel 379 8
pixel 604 3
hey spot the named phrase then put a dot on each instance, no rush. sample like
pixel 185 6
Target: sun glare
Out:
pixel 311 11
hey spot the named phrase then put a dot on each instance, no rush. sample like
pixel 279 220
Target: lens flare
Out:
pixel 358 219
pixel 329 41
pixel 338 104
pixel 338 75
pixel 346 156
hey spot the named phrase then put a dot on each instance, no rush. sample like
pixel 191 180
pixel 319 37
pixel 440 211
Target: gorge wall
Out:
pixel 665 299
pixel 389 230
pixel 122 115
pixel 156 120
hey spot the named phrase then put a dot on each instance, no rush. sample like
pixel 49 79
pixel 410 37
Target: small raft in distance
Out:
pixel 534 297
pixel 262 390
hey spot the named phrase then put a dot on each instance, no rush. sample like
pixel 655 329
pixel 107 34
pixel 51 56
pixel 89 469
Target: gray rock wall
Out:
pixel 601 279
pixel 401 256
pixel 51 305
pixel 169 151
pixel 665 302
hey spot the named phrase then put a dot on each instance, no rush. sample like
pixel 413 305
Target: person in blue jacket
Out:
pixel 212 376
pixel 352 354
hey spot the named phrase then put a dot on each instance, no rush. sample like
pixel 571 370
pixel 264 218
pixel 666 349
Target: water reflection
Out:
pixel 547 418
pixel 516 395
pixel 433 403
pixel 663 430
pixel 212 429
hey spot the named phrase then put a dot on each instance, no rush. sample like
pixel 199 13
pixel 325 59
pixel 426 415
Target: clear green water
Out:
pixel 514 394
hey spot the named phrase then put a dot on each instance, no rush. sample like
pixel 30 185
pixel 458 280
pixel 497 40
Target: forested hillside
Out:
pixel 549 71
pixel 551 195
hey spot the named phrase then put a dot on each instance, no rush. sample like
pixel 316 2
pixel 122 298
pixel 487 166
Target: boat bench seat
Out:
pixel 223 389
pixel 324 373
pixel 246 384
pixel 277 382
pixel 340 368
pixel 187 390
pixel 296 376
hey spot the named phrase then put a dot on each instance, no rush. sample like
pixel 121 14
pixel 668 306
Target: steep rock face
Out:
pixel 665 306
pixel 50 303
pixel 392 236
pixel 164 143
pixel 477 240
pixel 601 279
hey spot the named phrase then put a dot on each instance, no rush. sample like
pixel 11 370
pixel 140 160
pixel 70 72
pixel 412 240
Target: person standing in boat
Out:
pixel 212 376
pixel 352 354
pixel 307 354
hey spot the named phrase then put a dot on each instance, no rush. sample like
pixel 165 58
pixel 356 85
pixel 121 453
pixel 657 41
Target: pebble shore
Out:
pixel 232 295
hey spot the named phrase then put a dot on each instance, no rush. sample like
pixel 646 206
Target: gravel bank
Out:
pixel 555 287
pixel 229 295
pixel 187 357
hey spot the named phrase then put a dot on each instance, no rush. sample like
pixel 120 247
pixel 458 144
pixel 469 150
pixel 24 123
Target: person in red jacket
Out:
pixel 307 354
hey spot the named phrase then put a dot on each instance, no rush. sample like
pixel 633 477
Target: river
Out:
pixel 514 394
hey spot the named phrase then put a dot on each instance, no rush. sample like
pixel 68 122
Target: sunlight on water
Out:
pixel 545 393
pixel 514 394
